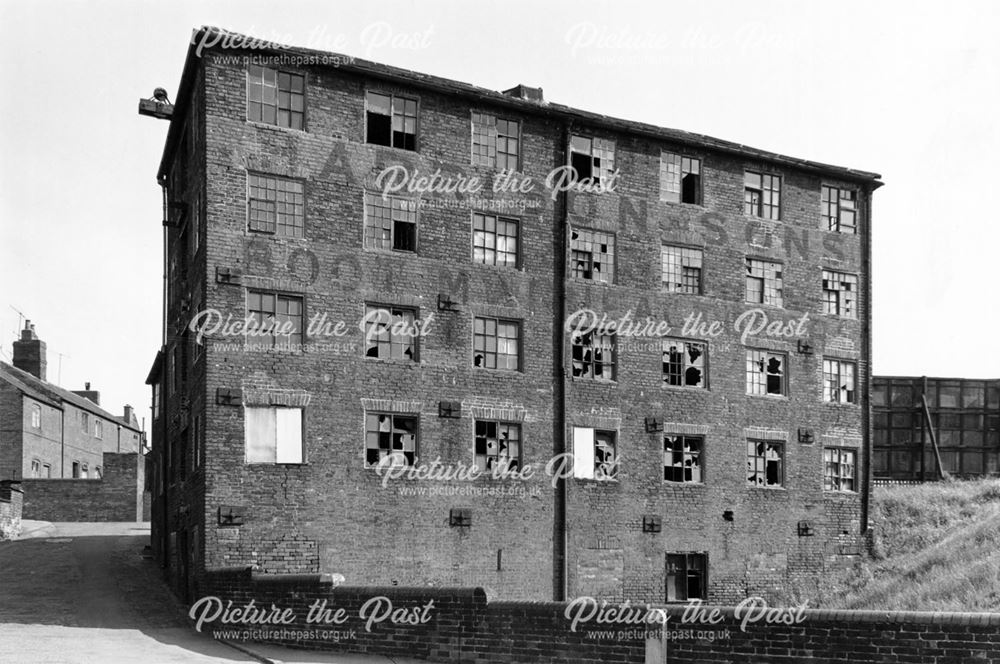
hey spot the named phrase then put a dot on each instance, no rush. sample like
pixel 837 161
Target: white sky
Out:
pixel 909 90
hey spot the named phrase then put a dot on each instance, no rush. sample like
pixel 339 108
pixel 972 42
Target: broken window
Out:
pixel 765 461
pixel 392 120
pixel 592 158
pixel 838 381
pixel 762 195
pixel 390 222
pixel 682 458
pixel 839 208
pixel 681 269
pixel 275 205
pixel 840 291
pixel 838 469
pixel 680 179
pixel 685 574
pixel 764 282
pixel 495 141
pixel 390 333
pixel 594 356
pixel 766 372
pixel 388 434
pixel 275 319
pixel 684 363
pixel 273 435
pixel 498 445
pixel 275 97
pixel 595 454
pixel 592 255
pixel 494 240
pixel 496 344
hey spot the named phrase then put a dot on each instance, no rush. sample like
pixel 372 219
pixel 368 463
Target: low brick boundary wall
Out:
pixel 11 501
pixel 462 626
pixel 117 496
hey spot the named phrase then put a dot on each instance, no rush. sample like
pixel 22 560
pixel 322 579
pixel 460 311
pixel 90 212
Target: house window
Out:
pixel 275 97
pixel 763 282
pixel 684 363
pixel 390 223
pixel 765 463
pixel 84 472
pixel 196 440
pixel 46 470
pixel 275 205
pixel 762 195
pixel 36 468
pixel 275 319
pixel 592 158
pixel 594 356
pixel 681 269
pixel 595 454
pixel 98 428
pixel 498 445
pixel 496 344
pixel 388 434
pixel 36 416
pixel 84 423
pixel 494 240
pixel 839 208
pixel 766 372
pixel 156 400
pixel 686 574
pixel 273 434
pixel 76 470
pixel 840 291
pixel 838 381
pixel 392 120
pixel 592 255
pixel 838 469
pixel 682 458
pixel 390 333
pixel 495 141
pixel 680 179
pixel 98 473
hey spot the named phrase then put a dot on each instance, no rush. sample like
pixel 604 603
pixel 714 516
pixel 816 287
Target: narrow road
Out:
pixel 84 593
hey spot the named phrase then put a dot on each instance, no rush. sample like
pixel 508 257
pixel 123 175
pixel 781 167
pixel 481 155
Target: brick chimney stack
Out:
pixel 29 352
pixel 88 393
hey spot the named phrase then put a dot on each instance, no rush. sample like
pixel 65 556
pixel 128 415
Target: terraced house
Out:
pixel 688 318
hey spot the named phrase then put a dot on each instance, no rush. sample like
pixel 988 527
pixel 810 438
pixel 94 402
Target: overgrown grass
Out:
pixel 936 547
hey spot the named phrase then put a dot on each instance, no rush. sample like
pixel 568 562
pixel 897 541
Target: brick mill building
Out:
pixel 719 425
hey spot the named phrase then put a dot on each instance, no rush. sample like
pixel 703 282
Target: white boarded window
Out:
pixel 273 435
pixel 595 454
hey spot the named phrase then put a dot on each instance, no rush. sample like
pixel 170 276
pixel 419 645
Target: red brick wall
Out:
pixel 115 497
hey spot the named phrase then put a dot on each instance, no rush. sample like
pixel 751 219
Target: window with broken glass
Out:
pixel 275 97
pixel 681 269
pixel 389 434
pixel 494 240
pixel 840 291
pixel 838 469
pixel 762 195
pixel 390 333
pixel 839 208
pixel 686 573
pixel 764 282
pixel 684 363
pixel 592 158
pixel 594 356
pixel 592 255
pixel 390 222
pixel 680 179
pixel 765 463
pixel 498 445
pixel 682 458
pixel 766 373
pixel 275 205
pixel 392 120
pixel 595 454
pixel 495 141
pixel 838 381
pixel 496 344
